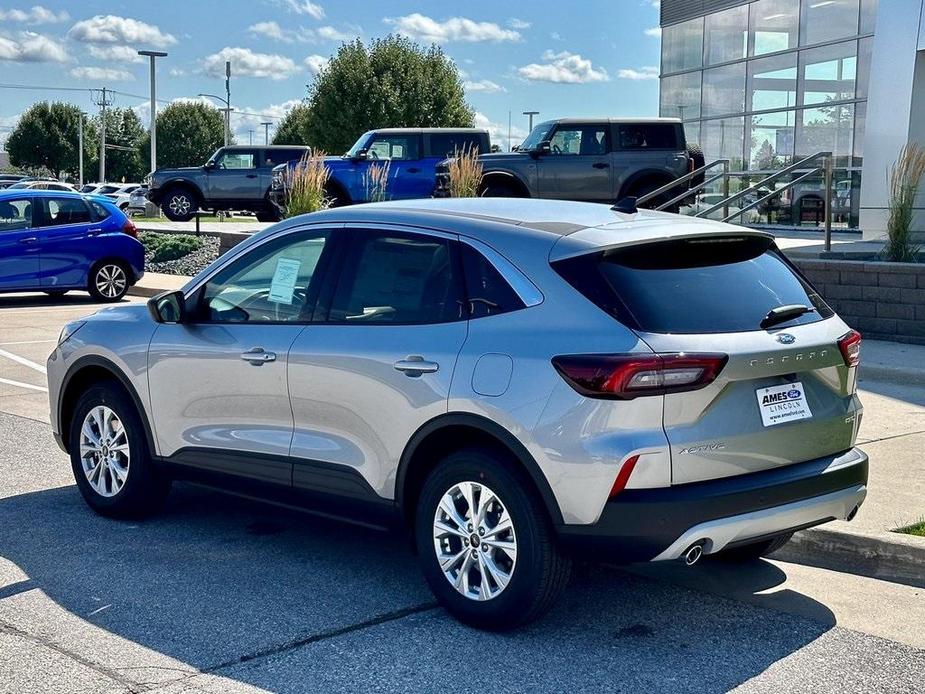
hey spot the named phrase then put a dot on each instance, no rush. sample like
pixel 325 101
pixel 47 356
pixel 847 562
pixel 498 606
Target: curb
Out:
pixel 887 556
pixel 900 375
pixel 147 292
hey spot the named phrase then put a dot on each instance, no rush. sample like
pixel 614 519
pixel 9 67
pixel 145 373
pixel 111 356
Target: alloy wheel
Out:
pixel 179 204
pixel 111 281
pixel 104 451
pixel 475 541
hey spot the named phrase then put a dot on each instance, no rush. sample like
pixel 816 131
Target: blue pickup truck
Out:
pixel 412 155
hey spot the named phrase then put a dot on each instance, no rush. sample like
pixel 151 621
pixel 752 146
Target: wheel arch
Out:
pixel 87 371
pixel 113 259
pixel 339 189
pixel 453 431
pixel 505 178
pixel 645 175
pixel 192 186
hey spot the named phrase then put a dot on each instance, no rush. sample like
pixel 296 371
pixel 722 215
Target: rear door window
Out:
pixel 646 136
pixel 61 211
pixel 690 286
pixel 448 144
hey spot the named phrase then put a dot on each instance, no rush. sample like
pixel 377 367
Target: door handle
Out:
pixel 29 239
pixel 415 365
pixel 601 165
pixel 258 356
pixel 94 232
pixel 413 169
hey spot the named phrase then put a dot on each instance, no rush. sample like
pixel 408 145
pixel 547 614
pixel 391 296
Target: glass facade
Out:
pixel 768 82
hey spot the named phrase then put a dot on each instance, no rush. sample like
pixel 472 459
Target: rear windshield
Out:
pixel 703 285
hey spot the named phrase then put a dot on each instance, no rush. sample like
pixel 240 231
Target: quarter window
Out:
pixel 488 292
pixel 15 215
pixel 399 279
pixel 61 211
pixel 267 285
pixel 648 136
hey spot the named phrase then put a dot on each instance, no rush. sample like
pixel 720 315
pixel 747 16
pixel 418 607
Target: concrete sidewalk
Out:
pixel 154 283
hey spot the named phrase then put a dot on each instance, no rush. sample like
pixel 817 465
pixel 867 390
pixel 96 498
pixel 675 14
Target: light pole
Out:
pixel 266 131
pixel 250 136
pixel 152 55
pixel 226 111
pixel 80 149
pixel 530 114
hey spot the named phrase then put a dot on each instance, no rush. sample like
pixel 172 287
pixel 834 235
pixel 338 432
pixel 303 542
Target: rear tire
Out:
pixel 644 187
pixel 268 216
pixel 179 204
pixel 109 281
pixel 109 455
pixel 754 551
pixel 524 576
pixel 500 190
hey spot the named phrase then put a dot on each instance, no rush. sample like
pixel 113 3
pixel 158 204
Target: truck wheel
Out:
pixel 644 187
pixel 267 216
pixel 179 204
pixel 485 543
pixel 500 190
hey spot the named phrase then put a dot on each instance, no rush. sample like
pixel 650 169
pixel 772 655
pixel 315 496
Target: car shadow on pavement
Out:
pixel 287 602
pixel 75 298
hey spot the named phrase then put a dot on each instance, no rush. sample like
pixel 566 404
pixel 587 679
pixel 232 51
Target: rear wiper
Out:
pixel 782 314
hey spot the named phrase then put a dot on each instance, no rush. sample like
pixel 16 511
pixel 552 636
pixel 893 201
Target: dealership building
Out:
pixel 769 82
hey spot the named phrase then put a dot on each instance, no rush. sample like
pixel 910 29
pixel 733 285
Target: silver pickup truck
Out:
pixel 588 159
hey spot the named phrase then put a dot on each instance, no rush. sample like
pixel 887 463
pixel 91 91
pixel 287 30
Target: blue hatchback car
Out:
pixel 53 242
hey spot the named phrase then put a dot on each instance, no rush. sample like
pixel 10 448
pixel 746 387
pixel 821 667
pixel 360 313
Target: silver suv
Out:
pixel 515 381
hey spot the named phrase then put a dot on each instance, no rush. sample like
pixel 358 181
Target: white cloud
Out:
pixel 515 23
pixel 499 131
pixel 30 47
pixel 36 15
pixel 247 63
pixel 121 54
pixel 648 72
pixel 176 72
pixel 556 36
pixel 484 86
pixel 7 124
pixel 311 9
pixel 250 118
pixel 329 33
pixel 122 30
pixel 418 26
pixel 315 64
pixel 563 67
pixel 101 74
pixel 653 31
pixel 272 30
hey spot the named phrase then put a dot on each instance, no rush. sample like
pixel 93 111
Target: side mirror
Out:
pixel 209 165
pixel 541 149
pixel 169 307
pixel 361 155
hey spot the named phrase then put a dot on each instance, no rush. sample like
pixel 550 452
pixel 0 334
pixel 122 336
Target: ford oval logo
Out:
pixel 786 339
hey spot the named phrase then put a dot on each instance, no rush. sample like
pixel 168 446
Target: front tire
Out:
pixel 179 204
pixel 109 455
pixel 109 281
pixel 505 571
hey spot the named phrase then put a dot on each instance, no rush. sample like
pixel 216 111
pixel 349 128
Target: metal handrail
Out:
pixel 642 199
pixel 774 193
pixel 700 186
pixel 773 177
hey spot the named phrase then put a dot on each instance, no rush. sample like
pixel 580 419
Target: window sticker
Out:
pixel 282 286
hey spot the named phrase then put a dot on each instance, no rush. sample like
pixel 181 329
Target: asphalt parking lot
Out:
pixel 219 594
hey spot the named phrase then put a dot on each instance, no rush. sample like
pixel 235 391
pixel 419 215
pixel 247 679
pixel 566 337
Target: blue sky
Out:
pixel 578 58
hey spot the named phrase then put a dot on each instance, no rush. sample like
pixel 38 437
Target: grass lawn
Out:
pixel 914 529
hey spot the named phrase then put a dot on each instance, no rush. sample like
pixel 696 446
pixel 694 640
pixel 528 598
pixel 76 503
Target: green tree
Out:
pixel 391 83
pixel 292 130
pixel 187 134
pixel 47 136
pixel 123 129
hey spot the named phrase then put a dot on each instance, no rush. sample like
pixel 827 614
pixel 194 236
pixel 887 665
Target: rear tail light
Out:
pixel 627 376
pixel 850 346
pixel 130 228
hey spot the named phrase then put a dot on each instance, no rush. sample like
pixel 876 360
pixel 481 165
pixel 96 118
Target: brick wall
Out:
pixel 882 300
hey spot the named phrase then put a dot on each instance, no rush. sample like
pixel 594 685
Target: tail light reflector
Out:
pixel 130 228
pixel 850 346
pixel 623 476
pixel 627 376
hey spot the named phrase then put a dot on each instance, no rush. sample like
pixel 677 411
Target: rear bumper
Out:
pixel 660 524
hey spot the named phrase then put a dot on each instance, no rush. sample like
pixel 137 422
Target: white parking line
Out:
pixel 19 384
pixel 22 360
pixel 25 342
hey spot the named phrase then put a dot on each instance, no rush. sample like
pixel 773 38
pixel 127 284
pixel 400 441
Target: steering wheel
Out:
pixel 268 310
pixel 557 149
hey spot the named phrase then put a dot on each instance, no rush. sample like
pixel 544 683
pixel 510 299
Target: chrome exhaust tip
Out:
pixel 693 554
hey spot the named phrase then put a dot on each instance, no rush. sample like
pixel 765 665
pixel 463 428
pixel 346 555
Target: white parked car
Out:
pixel 43 185
pixel 119 193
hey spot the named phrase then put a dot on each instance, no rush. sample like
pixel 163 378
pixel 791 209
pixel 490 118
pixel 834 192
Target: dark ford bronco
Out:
pixel 595 160
pixel 235 178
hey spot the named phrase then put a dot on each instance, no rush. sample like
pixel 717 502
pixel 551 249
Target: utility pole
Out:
pixel 228 102
pixel 266 131
pixel 250 135
pixel 152 55
pixel 80 149
pixel 103 102
pixel 510 148
pixel 531 114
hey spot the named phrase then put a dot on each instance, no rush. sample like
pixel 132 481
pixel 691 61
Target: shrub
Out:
pixel 465 173
pixel 905 179
pixel 306 185
pixel 376 181
pixel 173 246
